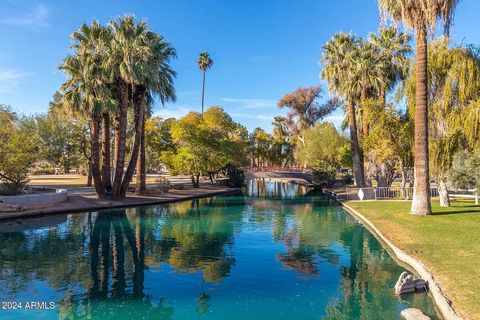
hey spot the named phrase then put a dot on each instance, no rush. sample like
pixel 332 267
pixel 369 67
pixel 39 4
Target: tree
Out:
pixel 389 144
pixel 368 78
pixel 113 68
pixel 59 140
pixel 322 143
pixel 422 16
pixel 204 62
pixel 338 61
pixel 393 49
pixel 205 144
pixel 260 147
pixel 158 140
pixel 18 150
pixel 453 86
pixel 157 81
pixel 86 89
pixel 465 170
pixel 305 109
pixel 283 141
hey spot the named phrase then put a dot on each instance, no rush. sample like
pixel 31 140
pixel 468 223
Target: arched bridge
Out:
pixel 279 172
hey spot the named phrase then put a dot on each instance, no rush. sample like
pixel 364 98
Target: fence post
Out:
pixel 476 197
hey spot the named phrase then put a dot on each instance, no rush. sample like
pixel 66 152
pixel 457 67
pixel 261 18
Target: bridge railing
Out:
pixel 276 169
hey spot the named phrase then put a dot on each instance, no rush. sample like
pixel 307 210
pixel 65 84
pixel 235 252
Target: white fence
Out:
pixel 405 193
pixel 399 193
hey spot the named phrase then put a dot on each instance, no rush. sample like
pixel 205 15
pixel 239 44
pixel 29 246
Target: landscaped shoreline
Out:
pixel 88 201
pixel 446 268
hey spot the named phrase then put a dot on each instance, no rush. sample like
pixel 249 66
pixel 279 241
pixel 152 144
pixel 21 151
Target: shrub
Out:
pixel 236 176
pixel 163 184
pixel 323 175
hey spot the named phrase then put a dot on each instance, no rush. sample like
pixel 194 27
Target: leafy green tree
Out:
pixel 389 145
pixel 205 144
pixel 260 145
pixel 422 16
pixel 158 140
pixel 59 140
pixel 322 143
pixel 18 150
pixel 204 63
pixel 465 171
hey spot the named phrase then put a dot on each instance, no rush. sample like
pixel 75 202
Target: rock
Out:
pixel 413 314
pixel 406 284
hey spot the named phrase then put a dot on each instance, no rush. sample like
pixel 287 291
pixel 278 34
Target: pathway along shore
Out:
pixel 88 201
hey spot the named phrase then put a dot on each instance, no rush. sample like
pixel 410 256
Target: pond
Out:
pixel 275 251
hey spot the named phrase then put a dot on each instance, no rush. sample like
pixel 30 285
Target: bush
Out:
pixel 43 169
pixel 348 178
pixel 236 176
pixel 10 188
pixel 163 184
pixel 323 175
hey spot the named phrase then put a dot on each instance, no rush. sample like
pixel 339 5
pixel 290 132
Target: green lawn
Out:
pixel 447 242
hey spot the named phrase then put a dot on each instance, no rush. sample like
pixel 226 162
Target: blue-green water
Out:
pixel 274 252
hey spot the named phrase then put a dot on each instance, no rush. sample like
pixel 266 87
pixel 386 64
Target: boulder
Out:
pixel 413 314
pixel 406 284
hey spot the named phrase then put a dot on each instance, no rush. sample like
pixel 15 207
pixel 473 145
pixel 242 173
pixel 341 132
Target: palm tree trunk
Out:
pixel 203 90
pixel 106 176
pixel 357 164
pixel 140 111
pixel 120 143
pixel 95 156
pixel 421 190
pixel 141 183
pixel 89 174
pixel 363 99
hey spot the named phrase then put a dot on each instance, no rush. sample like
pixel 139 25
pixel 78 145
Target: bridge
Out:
pixel 278 172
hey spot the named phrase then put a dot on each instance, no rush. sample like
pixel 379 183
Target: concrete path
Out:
pixel 86 200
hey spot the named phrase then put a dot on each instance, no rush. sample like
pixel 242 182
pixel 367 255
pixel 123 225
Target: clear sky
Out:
pixel 261 49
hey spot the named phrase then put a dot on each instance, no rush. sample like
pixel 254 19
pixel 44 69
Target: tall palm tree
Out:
pixel 367 77
pixel 127 59
pixel 422 16
pixel 86 88
pixel 393 48
pixel 205 63
pixel 156 81
pixel 338 71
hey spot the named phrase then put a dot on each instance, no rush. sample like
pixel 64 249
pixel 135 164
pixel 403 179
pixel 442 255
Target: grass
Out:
pixel 447 242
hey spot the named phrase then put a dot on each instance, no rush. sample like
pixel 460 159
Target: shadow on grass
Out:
pixel 460 211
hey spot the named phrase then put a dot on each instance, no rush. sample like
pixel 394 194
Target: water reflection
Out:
pixel 277 251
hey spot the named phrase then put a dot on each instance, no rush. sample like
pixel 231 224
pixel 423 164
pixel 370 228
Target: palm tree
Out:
pixel 393 48
pixel 157 80
pixel 367 77
pixel 422 16
pixel 205 63
pixel 86 89
pixel 127 59
pixel 338 71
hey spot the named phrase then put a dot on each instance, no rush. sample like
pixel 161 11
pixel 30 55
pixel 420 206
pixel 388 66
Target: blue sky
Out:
pixel 261 49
